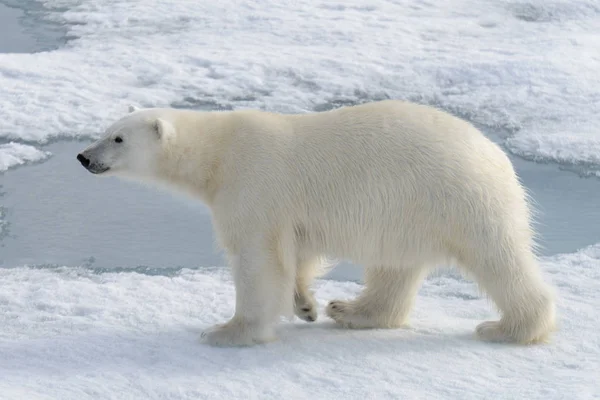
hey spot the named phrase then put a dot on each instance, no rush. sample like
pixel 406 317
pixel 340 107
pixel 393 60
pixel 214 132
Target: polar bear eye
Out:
pixel 118 139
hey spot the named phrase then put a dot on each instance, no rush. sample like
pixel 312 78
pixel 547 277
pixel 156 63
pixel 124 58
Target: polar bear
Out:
pixel 395 186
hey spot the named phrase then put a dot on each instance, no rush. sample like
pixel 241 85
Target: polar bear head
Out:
pixel 130 147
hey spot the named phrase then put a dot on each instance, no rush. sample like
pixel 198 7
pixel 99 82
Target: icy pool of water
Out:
pixel 21 31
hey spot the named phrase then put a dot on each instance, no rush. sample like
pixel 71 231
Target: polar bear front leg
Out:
pixel 259 286
pixel 305 305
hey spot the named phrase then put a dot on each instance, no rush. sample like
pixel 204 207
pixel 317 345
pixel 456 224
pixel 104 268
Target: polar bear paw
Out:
pixel 492 331
pixel 305 307
pixel 347 315
pixel 237 333
pixel 500 331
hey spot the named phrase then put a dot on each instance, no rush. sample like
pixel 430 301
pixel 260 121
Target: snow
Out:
pixel 527 68
pixel 13 154
pixel 75 333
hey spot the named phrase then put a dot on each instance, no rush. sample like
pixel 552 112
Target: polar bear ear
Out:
pixel 133 108
pixel 164 129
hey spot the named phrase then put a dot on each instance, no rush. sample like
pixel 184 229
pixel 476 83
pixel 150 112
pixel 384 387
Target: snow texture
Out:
pixel 13 154
pixel 72 333
pixel 529 68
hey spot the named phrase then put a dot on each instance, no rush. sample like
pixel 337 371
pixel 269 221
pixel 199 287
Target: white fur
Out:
pixel 395 186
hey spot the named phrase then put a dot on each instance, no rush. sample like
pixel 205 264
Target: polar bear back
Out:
pixel 372 183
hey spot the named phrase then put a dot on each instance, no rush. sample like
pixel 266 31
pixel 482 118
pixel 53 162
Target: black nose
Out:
pixel 84 161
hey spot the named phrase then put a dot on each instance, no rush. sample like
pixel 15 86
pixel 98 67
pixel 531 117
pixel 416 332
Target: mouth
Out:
pixel 97 170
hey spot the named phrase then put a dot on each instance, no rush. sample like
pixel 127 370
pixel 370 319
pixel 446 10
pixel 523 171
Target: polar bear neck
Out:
pixel 191 160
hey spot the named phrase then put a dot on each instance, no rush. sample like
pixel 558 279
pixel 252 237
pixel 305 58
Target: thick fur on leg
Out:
pixel 385 302
pixel 308 268
pixel 262 292
pixel 305 305
pixel 512 279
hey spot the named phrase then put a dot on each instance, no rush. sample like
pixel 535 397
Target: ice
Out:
pixel 529 68
pixel 3 222
pixel 579 150
pixel 72 333
pixel 13 154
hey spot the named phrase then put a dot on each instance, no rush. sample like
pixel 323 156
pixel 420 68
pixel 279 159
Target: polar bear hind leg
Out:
pixel 385 302
pixel 514 283
pixel 517 289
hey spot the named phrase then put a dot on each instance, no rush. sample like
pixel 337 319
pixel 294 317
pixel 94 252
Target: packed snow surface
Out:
pixel 71 333
pixel 528 67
